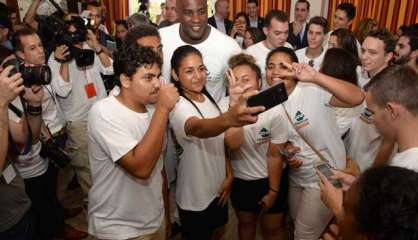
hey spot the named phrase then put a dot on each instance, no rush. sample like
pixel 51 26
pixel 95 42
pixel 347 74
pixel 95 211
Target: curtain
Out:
pixel 115 9
pixel 265 6
pixel 388 13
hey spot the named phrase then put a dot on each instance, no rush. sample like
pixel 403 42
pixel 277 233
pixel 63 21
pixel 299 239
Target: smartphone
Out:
pixel 325 169
pixel 269 98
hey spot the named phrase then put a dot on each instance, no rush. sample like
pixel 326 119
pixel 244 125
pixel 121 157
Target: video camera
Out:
pixel 54 31
pixel 32 75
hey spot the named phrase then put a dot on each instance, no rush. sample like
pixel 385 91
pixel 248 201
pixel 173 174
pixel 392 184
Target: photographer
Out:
pixel 97 15
pixel 15 222
pixel 86 62
pixel 39 175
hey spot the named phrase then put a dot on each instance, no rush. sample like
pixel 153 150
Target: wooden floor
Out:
pixel 73 199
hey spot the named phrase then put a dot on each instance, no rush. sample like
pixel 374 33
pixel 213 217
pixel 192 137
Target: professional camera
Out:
pixel 32 75
pixel 55 32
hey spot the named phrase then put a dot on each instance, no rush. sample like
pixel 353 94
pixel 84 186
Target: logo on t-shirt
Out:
pixel 263 136
pixel 301 120
pixel 366 116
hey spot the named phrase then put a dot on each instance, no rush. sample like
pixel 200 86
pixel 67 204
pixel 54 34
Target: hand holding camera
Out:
pixel 61 53
pixel 10 85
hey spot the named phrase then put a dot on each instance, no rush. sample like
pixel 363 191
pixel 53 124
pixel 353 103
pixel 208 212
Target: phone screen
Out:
pixel 326 171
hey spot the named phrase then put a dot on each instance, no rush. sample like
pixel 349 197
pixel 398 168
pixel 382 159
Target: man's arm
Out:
pixel 10 87
pixel 141 160
pixel 30 15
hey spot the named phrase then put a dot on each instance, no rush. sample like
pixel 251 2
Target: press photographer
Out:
pixel 15 220
pixel 38 172
pixel 86 88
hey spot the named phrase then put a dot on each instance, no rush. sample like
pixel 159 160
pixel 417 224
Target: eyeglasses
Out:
pixel 311 63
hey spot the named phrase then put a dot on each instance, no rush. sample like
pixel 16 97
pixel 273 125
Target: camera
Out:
pixel 55 32
pixel 32 75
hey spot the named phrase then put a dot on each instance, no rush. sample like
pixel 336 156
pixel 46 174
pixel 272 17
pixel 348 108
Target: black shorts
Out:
pixel 200 225
pixel 246 195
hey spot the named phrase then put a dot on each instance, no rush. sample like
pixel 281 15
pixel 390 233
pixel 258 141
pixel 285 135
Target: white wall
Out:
pixel 318 8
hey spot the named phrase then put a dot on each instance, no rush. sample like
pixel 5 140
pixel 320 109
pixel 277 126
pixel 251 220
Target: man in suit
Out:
pixel 298 30
pixel 252 11
pixel 220 19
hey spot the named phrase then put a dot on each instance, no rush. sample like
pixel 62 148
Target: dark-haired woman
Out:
pixel 259 190
pixel 204 175
pixel 312 120
pixel 339 63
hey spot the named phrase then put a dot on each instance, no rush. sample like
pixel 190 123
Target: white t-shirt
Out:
pixel 249 162
pixel 76 103
pixel 201 167
pixel 51 110
pixel 301 54
pixel 308 107
pixel 406 159
pixel 120 205
pixel 216 51
pixel 259 51
pixel 31 164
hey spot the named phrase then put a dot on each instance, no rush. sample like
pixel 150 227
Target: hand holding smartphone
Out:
pixel 270 97
pixel 325 169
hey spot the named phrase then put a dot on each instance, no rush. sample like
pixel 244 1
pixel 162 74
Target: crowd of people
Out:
pixel 162 107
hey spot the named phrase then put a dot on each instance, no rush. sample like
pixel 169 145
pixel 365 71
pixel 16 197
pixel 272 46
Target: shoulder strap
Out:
pixel 321 157
pixel 28 144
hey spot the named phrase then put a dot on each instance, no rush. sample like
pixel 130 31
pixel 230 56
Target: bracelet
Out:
pixel 274 190
pixel 60 60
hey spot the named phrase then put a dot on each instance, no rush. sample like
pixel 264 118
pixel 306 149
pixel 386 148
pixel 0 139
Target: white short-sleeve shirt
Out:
pixel 201 167
pixel 302 58
pixel 406 159
pixel 120 205
pixel 259 51
pixel 249 162
pixel 308 107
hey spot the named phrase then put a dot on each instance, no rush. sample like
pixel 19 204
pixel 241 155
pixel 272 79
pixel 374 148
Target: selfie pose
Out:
pixel 204 175
pixel 259 189
pixel 313 128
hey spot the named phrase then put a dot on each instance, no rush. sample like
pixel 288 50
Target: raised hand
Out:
pixel 61 52
pixel 167 97
pixel 10 87
pixel 235 90
pixel 304 72
pixel 240 114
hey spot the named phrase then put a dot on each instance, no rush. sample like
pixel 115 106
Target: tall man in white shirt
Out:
pixel 392 100
pixel 276 29
pixel 87 88
pixel 363 142
pixel 193 29
pixel 126 139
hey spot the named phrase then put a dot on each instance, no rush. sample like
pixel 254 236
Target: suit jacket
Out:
pixel 260 23
pixel 295 40
pixel 228 23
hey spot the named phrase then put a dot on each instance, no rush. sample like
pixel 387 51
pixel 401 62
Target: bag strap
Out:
pixel 28 145
pixel 321 157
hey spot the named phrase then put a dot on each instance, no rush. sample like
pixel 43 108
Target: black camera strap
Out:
pixel 28 144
